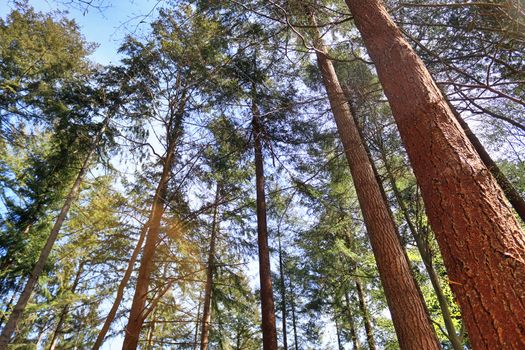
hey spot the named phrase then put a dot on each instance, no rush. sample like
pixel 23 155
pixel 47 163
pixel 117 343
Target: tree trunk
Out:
pixel 283 296
pixel 338 333
pixel 151 332
pixel 196 334
pixel 120 290
pixel 482 244
pixel 366 315
pixel 515 199
pixel 424 251
pixel 208 289
pixel 294 320
pixel 19 308
pixel 411 321
pixel 351 321
pixel 267 304
pixel 136 316
pixel 65 309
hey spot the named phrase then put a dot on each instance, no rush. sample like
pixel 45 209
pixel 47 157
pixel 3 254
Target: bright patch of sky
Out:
pixel 107 26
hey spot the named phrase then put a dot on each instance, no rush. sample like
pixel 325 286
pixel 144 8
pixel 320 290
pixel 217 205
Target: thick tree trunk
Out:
pixel 351 321
pixel 120 290
pixel 482 244
pixel 136 315
pixel 208 289
pixel 426 256
pixel 411 321
pixel 267 304
pixel 65 310
pixel 283 296
pixel 19 308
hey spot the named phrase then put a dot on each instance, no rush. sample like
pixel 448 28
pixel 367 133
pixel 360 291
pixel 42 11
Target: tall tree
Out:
pixel 181 52
pixel 411 320
pixel 463 201
pixel 267 303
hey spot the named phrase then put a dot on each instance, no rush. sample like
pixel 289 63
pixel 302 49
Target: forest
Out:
pixel 275 175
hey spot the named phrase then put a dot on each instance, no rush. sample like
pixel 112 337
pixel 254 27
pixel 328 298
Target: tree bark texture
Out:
pixel 514 197
pixel 267 302
pixel 411 321
pixel 20 306
pixel 424 251
pixel 482 244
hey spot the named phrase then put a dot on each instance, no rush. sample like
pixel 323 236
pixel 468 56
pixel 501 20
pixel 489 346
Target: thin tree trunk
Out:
pixel 20 306
pixel 267 304
pixel 283 296
pixel 338 333
pixel 208 289
pixel 120 290
pixel 351 321
pixel 65 309
pixel 409 314
pixel 425 253
pixel 196 335
pixel 294 321
pixel 366 315
pixel 151 331
pixel 481 241
pixel 136 316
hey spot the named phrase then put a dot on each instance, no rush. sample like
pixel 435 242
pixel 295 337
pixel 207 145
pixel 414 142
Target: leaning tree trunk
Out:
pixel 19 308
pixel 481 241
pixel 136 315
pixel 206 311
pixel 120 290
pixel 267 304
pixel 424 251
pixel 411 321
pixel 514 197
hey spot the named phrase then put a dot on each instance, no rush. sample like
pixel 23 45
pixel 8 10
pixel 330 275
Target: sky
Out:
pixel 106 26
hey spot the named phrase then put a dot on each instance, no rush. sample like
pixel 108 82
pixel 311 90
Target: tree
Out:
pixel 462 199
pixel 409 314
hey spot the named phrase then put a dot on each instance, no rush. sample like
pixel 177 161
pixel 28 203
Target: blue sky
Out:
pixel 106 26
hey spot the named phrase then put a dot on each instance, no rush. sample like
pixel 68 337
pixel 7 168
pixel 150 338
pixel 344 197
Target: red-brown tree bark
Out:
pixel 136 315
pixel 411 321
pixel 482 244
